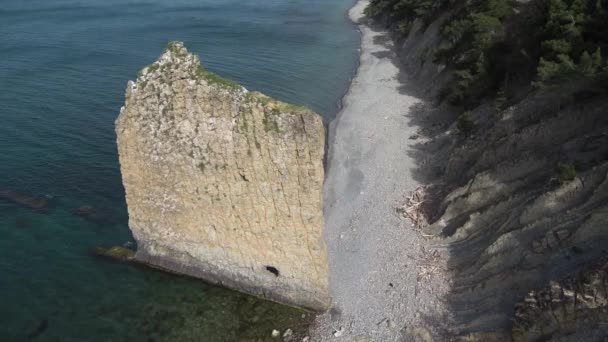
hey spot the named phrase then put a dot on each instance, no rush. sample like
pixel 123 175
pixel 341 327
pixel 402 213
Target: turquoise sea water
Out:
pixel 64 65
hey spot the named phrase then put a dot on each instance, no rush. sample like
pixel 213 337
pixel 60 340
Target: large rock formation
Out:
pixel 224 184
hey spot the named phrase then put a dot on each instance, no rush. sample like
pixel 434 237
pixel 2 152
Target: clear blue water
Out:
pixel 64 65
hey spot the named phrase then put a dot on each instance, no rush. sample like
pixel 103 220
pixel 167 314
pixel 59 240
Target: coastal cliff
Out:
pixel 513 152
pixel 224 184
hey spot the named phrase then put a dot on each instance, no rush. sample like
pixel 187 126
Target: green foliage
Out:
pixel 281 106
pixel 566 172
pixel 402 13
pixel 489 42
pixel 556 46
pixel 571 48
pixel 153 67
pixel 273 110
pixel 500 100
pixel 150 68
pixel 586 66
pixel 176 48
pixel 470 43
pixel 270 121
pixel 215 79
pixel 558 70
pixel 603 77
pixel 465 124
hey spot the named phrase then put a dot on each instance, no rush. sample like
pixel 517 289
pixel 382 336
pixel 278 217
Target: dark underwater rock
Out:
pixel 22 222
pixel 41 326
pixel 25 200
pixel 94 214
pixel 116 253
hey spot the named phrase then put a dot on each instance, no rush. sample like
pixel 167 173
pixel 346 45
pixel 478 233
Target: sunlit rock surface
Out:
pixel 224 184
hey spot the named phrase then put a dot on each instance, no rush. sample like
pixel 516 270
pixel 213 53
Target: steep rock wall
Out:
pixel 508 219
pixel 574 307
pixel 503 212
pixel 224 184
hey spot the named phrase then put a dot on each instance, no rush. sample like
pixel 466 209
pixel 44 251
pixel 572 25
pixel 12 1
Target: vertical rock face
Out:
pixel 573 309
pixel 224 184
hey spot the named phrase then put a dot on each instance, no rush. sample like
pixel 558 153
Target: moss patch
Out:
pixel 176 48
pixel 148 69
pixel 212 78
pixel 280 106
pixel 117 253
pixel 152 67
pixel 244 126
pixel 566 172
pixel 270 123
pixel 465 124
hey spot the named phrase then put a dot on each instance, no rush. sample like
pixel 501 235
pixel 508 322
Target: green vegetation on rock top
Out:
pixel 215 79
pixel 281 106
pixel 177 48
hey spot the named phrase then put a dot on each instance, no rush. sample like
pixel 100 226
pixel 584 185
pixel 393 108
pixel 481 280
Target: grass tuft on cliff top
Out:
pixel 281 106
pixel 177 48
pixel 215 79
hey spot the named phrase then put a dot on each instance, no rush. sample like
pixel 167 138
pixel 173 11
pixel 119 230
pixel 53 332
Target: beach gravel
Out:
pixel 372 250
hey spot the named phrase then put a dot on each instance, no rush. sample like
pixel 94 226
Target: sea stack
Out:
pixel 224 184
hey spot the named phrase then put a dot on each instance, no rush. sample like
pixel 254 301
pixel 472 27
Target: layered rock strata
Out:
pixel 517 203
pixel 575 307
pixel 224 184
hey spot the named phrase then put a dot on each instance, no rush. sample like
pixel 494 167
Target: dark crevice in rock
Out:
pixel 272 270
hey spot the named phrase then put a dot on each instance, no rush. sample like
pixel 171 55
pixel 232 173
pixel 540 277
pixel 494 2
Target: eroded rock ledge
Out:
pixel 224 184
pixel 515 204
pixel 574 307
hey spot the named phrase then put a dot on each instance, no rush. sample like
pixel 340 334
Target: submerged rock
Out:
pixel 38 329
pixel 94 215
pixel 25 200
pixel 117 253
pixel 224 184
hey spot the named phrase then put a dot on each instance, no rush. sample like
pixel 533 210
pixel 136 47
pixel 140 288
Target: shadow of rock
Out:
pixel 502 216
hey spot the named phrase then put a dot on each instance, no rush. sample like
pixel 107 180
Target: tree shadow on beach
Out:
pixel 428 149
pixel 428 116
pixel 474 299
pixel 483 288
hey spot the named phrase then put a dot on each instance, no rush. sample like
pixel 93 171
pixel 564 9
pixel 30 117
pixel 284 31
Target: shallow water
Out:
pixel 64 69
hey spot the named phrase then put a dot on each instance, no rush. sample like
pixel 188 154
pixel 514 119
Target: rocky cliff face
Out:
pixel 224 184
pixel 512 217
pixel 519 203
pixel 574 307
